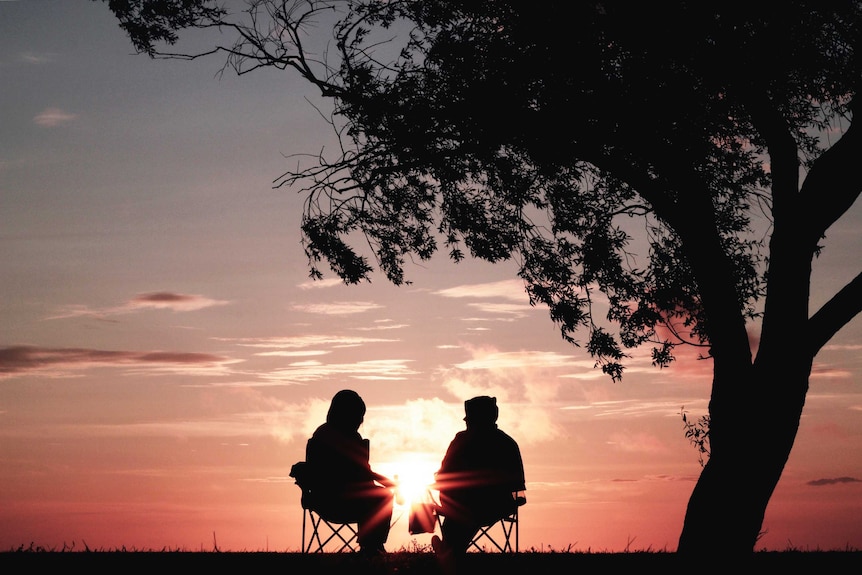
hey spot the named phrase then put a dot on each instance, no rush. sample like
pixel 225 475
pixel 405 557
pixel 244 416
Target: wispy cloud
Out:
pixel 507 289
pixel 383 324
pixel 833 481
pixel 36 59
pixel 337 307
pixel 63 362
pixel 513 311
pixel 640 442
pixel 154 300
pixel 306 341
pixel 309 371
pixel 627 410
pixel 492 359
pixel 826 371
pixel 842 347
pixel 53 117
pixel 172 301
pixel 301 353
pixel 319 284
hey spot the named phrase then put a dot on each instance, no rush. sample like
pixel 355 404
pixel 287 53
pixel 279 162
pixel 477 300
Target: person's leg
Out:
pixel 456 534
pixel 451 550
pixel 459 526
pixel 376 516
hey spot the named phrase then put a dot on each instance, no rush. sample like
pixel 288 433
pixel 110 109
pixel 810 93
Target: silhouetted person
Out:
pixel 344 487
pixel 477 480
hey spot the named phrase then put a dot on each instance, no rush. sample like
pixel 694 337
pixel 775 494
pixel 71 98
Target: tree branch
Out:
pixel 783 154
pixel 833 184
pixel 835 314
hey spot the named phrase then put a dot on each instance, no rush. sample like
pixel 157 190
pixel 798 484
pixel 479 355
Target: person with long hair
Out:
pixel 345 488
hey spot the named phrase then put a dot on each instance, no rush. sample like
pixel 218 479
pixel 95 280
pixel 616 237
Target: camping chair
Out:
pixel 342 534
pixel 498 532
pixel 501 538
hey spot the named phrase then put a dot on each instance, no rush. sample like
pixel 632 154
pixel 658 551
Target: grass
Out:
pixel 414 561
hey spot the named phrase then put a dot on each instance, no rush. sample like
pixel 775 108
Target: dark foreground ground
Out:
pixel 408 563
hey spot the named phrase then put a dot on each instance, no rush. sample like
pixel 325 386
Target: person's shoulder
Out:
pixel 459 436
pixel 326 433
pixel 505 436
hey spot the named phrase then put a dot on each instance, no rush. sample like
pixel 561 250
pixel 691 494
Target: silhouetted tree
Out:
pixel 685 159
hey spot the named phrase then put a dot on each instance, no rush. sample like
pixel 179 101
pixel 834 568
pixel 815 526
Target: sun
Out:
pixel 414 473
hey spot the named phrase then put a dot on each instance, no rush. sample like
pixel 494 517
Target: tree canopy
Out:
pixel 535 133
pixel 684 159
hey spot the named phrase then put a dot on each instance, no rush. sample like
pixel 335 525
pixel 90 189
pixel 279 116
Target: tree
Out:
pixel 559 136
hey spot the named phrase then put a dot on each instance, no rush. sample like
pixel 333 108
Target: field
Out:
pixel 419 563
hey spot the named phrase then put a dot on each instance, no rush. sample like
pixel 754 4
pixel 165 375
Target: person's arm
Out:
pixel 383 480
pixel 519 478
pixel 445 477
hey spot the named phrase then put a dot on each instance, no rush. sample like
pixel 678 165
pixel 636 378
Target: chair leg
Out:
pixel 517 533
pixel 507 525
pixel 304 515
pixel 507 533
pixel 485 532
pixel 316 544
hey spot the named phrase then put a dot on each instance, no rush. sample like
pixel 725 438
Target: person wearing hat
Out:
pixel 345 488
pixel 478 476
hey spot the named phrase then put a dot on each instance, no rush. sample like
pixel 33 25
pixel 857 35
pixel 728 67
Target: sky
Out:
pixel 164 355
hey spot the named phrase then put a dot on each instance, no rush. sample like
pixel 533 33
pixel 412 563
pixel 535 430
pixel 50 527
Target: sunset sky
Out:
pixel 164 355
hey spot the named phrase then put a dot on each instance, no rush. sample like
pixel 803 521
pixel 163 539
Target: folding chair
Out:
pixel 507 526
pixel 498 533
pixel 342 534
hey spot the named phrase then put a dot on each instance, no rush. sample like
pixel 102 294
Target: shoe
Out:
pixel 440 547
pixel 444 556
pixel 372 551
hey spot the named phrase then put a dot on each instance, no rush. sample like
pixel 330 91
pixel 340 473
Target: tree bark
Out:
pixel 754 411
pixel 750 444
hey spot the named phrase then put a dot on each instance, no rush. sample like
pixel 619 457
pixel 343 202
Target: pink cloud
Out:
pixel 53 117
pixel 174 301
pixel 24 359
pixel 833 481
pixel 153 300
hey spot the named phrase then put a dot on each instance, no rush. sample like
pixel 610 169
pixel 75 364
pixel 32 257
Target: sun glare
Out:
pixel 414 474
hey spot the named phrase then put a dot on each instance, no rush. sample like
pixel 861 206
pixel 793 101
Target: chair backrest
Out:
pixel 300 473
pixel 340 532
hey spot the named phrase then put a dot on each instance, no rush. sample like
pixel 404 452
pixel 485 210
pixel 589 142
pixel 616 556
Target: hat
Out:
pixel 481 409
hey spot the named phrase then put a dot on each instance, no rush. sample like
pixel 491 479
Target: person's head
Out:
pixel 346 411
pixel 481 411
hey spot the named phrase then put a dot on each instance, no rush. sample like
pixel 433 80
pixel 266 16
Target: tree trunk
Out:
pixel 750 442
